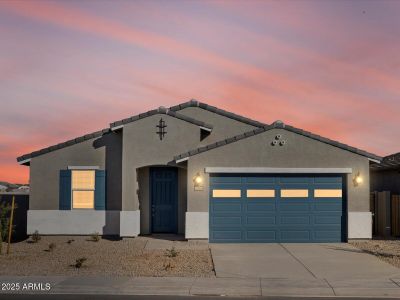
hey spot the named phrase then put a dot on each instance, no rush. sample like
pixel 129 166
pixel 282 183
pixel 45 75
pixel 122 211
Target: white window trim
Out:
pixel 85 168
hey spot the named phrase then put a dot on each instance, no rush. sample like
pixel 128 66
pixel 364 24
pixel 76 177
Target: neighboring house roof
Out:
pixel 161 110
pixel 277 124
pixel 195 103
pixel 390 162
pixel 25 158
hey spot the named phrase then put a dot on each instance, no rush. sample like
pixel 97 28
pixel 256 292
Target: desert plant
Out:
pixel 79 262
pixel 95 237
pixel 52 246
pixel 171 252
pixel 36 237
pixel 70 241
pixel 168 266
pixel 5 210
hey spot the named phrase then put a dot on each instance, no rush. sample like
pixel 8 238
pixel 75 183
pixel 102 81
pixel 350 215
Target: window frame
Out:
pixel 84 168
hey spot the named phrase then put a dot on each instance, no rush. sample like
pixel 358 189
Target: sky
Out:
pixel 68 68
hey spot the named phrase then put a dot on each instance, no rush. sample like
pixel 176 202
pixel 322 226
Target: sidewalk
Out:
pixel 207 286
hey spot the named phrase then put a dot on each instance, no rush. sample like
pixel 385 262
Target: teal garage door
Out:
pixel 277 208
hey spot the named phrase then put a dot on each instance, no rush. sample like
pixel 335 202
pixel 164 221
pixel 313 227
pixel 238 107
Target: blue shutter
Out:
pixel 65 190
pixel 100 192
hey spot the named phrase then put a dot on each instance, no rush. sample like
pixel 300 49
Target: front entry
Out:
pixel 164 200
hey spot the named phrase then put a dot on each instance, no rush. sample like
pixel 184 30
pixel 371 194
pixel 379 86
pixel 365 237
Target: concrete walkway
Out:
pixel 333 262
pixel 207 286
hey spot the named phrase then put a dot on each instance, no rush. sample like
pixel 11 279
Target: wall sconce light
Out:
pixel 357 180
pixel 198 182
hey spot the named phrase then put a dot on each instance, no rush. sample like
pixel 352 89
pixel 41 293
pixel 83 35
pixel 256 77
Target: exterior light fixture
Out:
pixel 357 180
pixel 198 182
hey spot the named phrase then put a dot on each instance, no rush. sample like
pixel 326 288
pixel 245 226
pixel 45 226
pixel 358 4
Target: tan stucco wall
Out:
pixel 299 152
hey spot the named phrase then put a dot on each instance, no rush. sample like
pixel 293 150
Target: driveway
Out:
pixel 333 262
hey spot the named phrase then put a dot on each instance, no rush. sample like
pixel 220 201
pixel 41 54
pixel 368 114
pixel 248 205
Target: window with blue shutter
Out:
pixel 100 190
pixel 65 190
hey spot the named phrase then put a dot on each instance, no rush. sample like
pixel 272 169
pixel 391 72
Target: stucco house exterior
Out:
pixel 200 171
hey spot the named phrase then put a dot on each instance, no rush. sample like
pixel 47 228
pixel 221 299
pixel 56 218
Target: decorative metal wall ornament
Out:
pixel 278 141
pixel 161 129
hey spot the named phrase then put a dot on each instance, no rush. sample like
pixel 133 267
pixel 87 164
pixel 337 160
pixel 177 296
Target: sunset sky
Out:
pixel 68 68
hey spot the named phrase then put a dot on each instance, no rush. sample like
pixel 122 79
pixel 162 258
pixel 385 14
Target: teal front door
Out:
pixel 164 199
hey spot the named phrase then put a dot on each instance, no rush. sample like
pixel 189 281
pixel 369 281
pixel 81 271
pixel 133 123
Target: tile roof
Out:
pixel 390 162
pixel 195 103
pixel 277 124
pixel 161 110
pixel 64 144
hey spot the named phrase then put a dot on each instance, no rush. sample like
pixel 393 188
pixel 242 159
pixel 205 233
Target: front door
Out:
pixel 164 200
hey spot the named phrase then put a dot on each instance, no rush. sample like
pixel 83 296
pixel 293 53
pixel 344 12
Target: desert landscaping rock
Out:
pixel 126 257
pixel 386 250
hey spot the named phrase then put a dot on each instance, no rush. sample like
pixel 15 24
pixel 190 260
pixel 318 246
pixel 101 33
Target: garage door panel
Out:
pixel 295 220
pixel 294 235
pixel 295 180
pixel 226 221
pixel 326 205
pixel 227 206
pixel 328 179
pixel 259 179
pixel 260 236
pixel 263 220
pixel 292 205
pixel 227 235
pixel 315 216
pixel 323 219
pixel 327 235
pixel 260 207
pixel 226 179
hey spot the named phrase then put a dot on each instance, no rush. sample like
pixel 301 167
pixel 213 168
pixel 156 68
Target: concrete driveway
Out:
pixel 333 262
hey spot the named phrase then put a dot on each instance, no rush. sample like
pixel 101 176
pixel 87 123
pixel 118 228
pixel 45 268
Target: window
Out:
pixel 260 193
pixel 226 194
pixel 294 193
pixel 328 193
pixel 83 184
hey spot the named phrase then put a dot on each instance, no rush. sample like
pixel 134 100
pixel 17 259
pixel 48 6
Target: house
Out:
pixel 198 170
pixel 23 189
pixel 386 175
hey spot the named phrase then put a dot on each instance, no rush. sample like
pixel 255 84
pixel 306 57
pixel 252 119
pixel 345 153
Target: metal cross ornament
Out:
pixel 161 129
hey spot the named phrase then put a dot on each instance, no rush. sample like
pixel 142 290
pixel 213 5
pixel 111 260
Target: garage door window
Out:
pixel 226 193
pixel 260 193
pixel 325 193
pixel 294 193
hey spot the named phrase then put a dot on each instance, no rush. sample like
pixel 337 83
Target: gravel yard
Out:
pixel 386 250
pixel 126 257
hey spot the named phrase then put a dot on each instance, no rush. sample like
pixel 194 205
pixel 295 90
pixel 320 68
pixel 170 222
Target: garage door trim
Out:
pixel 257 170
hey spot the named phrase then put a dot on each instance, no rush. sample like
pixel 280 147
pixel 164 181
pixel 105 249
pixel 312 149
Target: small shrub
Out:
pixel 79 262
pixel 36 237
pixel 70 241
pixel 52 246
pixel 168 266
pixel 95 237
pixel 171 252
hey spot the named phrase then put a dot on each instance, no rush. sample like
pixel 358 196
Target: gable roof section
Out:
pixel 26 157
pixel 277 124
pixel 195 103
pixel 390 162
pixel 160 110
